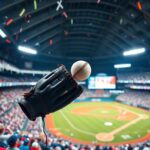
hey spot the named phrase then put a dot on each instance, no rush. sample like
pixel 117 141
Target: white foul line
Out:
pixel 74 127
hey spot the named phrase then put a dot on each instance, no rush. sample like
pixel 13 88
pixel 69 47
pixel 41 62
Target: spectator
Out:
pixel 135 98
pixel 25 145
pixel 4 135
pixel 146 147
pixel 12 142
pixel 35 146
pixel 140 77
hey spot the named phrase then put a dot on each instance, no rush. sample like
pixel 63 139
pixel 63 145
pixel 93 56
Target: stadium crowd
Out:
pixel 94 93
pixel 8 97
pixel 143 77
pixel 18 79
pixel 86 93
pixel 135 98
pixel 19 140
pixel 14 119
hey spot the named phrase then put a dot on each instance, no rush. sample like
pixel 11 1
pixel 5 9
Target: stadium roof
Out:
pixel 75 29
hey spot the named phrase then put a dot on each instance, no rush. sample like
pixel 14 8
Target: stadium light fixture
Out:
pixel 27 50
pixel 134 52
pixel 2 33
pixel 117 66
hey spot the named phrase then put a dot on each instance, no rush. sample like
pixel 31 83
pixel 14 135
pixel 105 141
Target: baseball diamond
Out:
pixel 100 122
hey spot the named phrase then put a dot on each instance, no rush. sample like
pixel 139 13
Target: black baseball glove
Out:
pixel 51 93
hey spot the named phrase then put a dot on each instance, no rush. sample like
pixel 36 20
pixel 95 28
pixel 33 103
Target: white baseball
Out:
pixel 81 70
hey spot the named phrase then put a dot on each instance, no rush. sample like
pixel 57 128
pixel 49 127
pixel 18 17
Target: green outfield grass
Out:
pixel 83 121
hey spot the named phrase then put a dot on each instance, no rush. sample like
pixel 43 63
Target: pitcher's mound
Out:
pixel 105 137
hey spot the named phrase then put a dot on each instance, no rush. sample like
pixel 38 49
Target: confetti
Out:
pixel 20 30
pixel 98 1
pixel 139 5
pixel 25 40
pixel 35 5
pixel 37 44
pixel 66 33
pixel 121 20
pixel 27 18
pixel 59 5
pixel 8 41
pixel 132 15
pixel 51 42
pixel 71 21
pixel 22 12
pixel 6 17
pixel 9 22
pixel 65 14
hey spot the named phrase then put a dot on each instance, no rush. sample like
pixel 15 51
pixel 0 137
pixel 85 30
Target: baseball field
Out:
pixel 100 122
